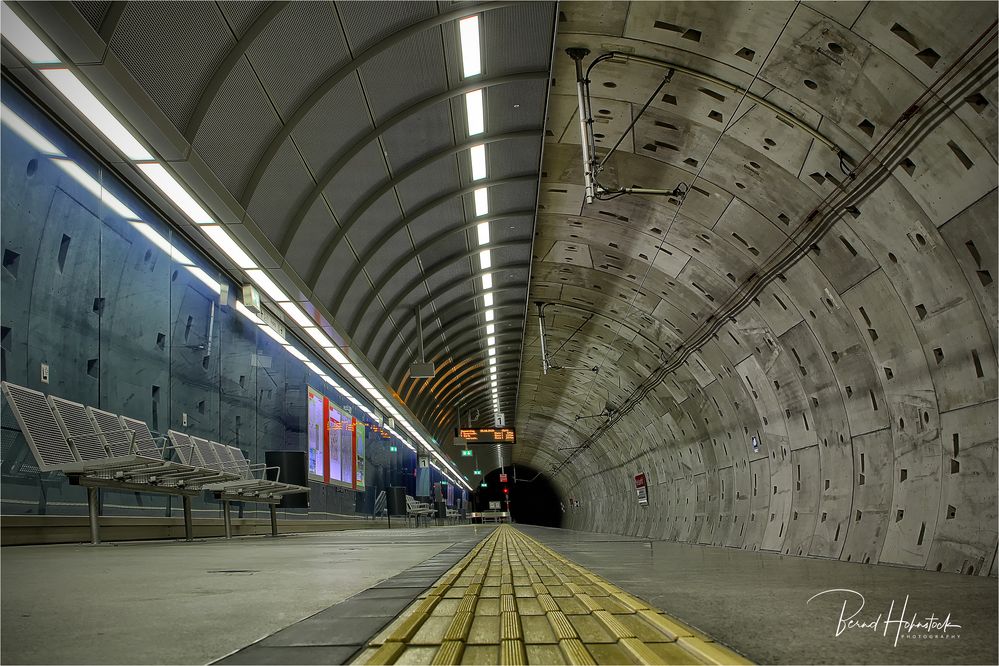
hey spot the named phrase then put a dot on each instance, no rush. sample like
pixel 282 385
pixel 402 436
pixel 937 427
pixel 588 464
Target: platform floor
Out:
pixel 469 595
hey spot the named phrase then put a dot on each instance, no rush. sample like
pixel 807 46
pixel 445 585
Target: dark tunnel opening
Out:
pixel 533 499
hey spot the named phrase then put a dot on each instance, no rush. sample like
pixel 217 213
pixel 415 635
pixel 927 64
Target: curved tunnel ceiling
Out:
pixel 800 350
pixel 338 132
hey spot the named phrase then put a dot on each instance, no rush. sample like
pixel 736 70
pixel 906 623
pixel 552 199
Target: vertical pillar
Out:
pixel 92 507
pixel 226 519
pixel 273 508
pixel 188 522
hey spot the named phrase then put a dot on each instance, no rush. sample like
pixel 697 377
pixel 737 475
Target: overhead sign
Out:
pixel 466 453
pixel 485 434
pixel 477 472
pixel 393 449
pixel 494 505
pixel 641 487
pixel 503 478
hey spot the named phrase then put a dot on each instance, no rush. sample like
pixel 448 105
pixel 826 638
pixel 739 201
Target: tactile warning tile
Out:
pixel 512 600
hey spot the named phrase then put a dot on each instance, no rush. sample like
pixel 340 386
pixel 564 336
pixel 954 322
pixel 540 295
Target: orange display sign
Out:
pixel 486 434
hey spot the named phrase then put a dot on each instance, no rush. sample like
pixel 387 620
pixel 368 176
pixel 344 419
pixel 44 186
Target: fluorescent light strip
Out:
pixel 492 351
pixel 474 112
pixel 478 158
pixel 487 281
pixel 296 313
pixel 471 62
pixel 483 232
pixel 33 49
pixel 225 243
pixel 27 132
pixel 337 355
pixel 315 368
pixel 490 329
pixel 98 114
pixel 485 259
pixel 249 314
pixel 490 315
pixel 264 282
pixel 211 282
pixel 294 352
pixel 491 340
pixel 487 299
pixel 317 335
pixel 482 203
pixel 271 332
pixel 175 192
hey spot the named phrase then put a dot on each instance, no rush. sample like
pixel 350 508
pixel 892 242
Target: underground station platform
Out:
pixel 468 594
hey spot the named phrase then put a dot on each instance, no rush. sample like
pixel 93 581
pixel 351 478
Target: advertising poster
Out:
pixel 360 432
pixel 316 433
pixel 642 488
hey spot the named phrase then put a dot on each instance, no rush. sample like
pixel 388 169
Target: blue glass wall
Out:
pixel 128 326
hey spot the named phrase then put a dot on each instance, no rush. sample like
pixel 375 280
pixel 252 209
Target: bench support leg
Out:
pixel 188 522
pixel 274 531
pixel 95 536
pixel 227 519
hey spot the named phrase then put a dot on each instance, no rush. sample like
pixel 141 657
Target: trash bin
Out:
pixel 294 466
pixel 395 501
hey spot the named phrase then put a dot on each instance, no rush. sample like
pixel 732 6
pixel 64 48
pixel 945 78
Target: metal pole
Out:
pixel 188 521
pixel 274 531
pixel 541 331
pixel 226 519
pixel 577 54
pixel 92 506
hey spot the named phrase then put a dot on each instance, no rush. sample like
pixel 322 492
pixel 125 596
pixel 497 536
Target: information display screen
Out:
pixel 485 434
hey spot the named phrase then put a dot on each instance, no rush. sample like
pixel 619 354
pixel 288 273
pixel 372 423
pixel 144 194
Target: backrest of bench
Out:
pixel 79 429
pixel 225 457
pixel 204 450
pixel 185 449
pixel 106 423
pixel 39 427
pixel 144 443
pixel 242 464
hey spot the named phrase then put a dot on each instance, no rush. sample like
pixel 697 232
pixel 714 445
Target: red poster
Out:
pixel 326 438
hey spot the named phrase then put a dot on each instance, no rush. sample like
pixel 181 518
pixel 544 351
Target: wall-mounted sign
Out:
pixel 424 461
pixel 485 434
pixel 642 488
pixel 503 478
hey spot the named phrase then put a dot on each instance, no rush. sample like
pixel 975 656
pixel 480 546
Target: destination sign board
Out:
pixel 485 434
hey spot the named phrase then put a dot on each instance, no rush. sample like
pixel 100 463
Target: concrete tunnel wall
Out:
pixel 866 370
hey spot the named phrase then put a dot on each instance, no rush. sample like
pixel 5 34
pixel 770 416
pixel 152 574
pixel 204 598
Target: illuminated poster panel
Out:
pixel 316 433
pixel 338 430
pixel 360 433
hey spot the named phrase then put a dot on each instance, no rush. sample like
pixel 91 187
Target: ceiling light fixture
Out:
pixel 473 112
pixel 225 242
pixel 296 313
pixel 24 40
pixel 264 282
pixel 485 259
pixel 481 201
pixel 98 114
pixel 176 192
pixel 478 157
pixel 483 233
pixel 490 315
pixel 468 28
pixel 490 329
pixel 487 299
pixel 487 280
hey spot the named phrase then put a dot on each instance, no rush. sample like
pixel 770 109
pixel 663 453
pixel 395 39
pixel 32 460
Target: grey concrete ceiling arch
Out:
pixel 223 71
pixel 474 383
pixel 397 178
pixel 427 243
pixel 323 181
pixel 456 378
pixel 331 82
pixel 436 269
pixel 465 348
pixel 379 355
pixel 400 360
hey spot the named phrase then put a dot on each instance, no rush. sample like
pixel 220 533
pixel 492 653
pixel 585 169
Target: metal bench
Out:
pixel 417 510
pixel 64 437
pixel 243 485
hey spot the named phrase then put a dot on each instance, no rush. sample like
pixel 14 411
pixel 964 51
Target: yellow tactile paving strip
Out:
pixel 512 600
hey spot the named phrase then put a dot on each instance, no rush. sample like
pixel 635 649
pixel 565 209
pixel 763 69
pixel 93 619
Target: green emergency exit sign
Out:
pixel 477 472
pixel 466 453
pixel 483 485
pixel 393 449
